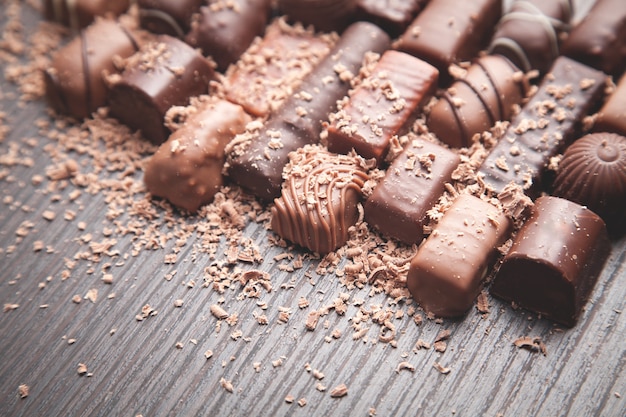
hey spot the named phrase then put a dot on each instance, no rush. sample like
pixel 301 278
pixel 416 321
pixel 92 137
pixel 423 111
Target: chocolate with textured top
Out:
pixel 381 105
pixel 593 173
pixel 256 159
pixel 612 115
pixel 599 40
pixel 394 16
pixel 74 80
pixel 160 75
pixel 412 185
pixel 319 198
pixel 554 261
pixel 488 93
pixel 448 270
pixel 78 14
pixel 167 17
pixel 224 29
pixel 324 15
pixel 530 34
pixel 547 124
pixel 273 67
pixel 187 168
pixel 447 32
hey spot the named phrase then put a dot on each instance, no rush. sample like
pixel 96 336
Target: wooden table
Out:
pixel 158 366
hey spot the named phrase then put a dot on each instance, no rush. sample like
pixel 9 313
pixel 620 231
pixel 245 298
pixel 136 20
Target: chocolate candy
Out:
pixel 319 198
pixel 324 15
pixel 530 33
pixel 450 31
pixel 160 75
pixel 599 40
pixel 256 159
pixel 555 260
pixel 187 168
pixel 545 126
pixel 612 115
pixel 269 71
pixel 74 80
pixel 593 173
pixel 488 93
pixel 381 105
pixel 224 29
pixel 448 270
pixel 412 185
pixel 167 17
pixel 394 16
pixel 78 14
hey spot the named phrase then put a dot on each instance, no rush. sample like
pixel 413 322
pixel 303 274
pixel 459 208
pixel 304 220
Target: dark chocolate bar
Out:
pixel 394 16
pixel 167 17
pixel 78 14
pixel 555 260
pixel 612 115
pixel 547 124
pixel 412 185
pixel 488 93
pixel 381 105
pixel 74 80
pixel 256 159
pixel 162 74
pixel 324 15
pixel 448 270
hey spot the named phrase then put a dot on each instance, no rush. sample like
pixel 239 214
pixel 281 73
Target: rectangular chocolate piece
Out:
pixel 447 272
pixel 450 31
pixel 612 115
pixel 256 159
pixel 547 124
pixel 412 185
pixel 555 260
pixel 394 16
pixel 381 105
pixel 78 14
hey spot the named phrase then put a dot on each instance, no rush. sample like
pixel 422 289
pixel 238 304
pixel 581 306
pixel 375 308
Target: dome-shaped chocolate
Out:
pixel 593 173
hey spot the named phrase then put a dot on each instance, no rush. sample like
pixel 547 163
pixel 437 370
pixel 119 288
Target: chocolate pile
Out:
pixel 388 114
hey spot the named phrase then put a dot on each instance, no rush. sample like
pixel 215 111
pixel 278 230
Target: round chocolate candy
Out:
pixel 593 173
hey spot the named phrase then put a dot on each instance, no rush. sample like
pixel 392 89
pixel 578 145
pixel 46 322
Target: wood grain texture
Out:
pixel 136 368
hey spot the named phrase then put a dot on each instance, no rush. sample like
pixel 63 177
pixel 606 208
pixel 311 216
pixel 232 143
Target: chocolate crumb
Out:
pixel 23 390
pixel 339 391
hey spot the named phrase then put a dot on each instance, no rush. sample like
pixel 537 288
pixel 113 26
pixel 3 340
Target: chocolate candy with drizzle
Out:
pixel 74 80
pixel 319 198
pixel 167 17
pixel 530 34
pixel 487 93
pixel 78 14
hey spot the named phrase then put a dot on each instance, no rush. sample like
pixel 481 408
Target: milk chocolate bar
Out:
pixel 488 93
pixel 411 186
pixel 555 260
pixel 224 29
pixel 599 40
pixel 380 106
pixel 448 270
pixel 78 14
pixel 256 159
pixel 547 124
pixel 167 17
pixel 319 198
pixel 74 80
pixel 324 15
pixel 162 74
pixel 187 168
pixel 531 33
pixel 612 115
pixel 394 16
pixel 447 32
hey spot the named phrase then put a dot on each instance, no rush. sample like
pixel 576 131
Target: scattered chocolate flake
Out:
pixel 405 365
pixel 289 399
pixel 77 299
pixel 441 368
pixel 482 302
pixel 92 295
pixel 10 307
pixel 82 369
pixel 317 374
pixel 302 402
pixel 533 344
pixel 227 385
pixel 219 312
pixel 312 319
pixel 23 390
pixel 208 354
pixel 339 391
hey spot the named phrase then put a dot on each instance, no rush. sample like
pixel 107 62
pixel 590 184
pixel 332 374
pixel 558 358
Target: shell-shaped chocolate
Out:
pixel 319 198
pixel 593 173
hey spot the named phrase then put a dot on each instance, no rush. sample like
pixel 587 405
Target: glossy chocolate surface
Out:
pixel 448 270
pixel 78 14
pixel 167 17
pixel 319 198
pixel 487 94
pixel 555 260
pixel 411 186
pixel 324 15
pixel 380 106
pixel 547 124
pixel 392 15
pixel 612 115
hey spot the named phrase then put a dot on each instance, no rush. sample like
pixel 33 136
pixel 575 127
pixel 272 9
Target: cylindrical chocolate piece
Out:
pixel 324 15
pixel 225 28
pixel 78 14
pixel 162 74
pixel 473 104
pixel 555 260
pixel 74 80
pixel 167 17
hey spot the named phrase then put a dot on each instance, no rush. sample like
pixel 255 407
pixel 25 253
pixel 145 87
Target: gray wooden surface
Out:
pixel 135 367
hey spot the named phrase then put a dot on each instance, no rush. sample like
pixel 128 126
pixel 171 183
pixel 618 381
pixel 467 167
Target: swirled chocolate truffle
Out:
pixel 78 14
pixel 167 17
pixel 324 15
pixel 593 173
pixel 319 198
pixel 488 93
